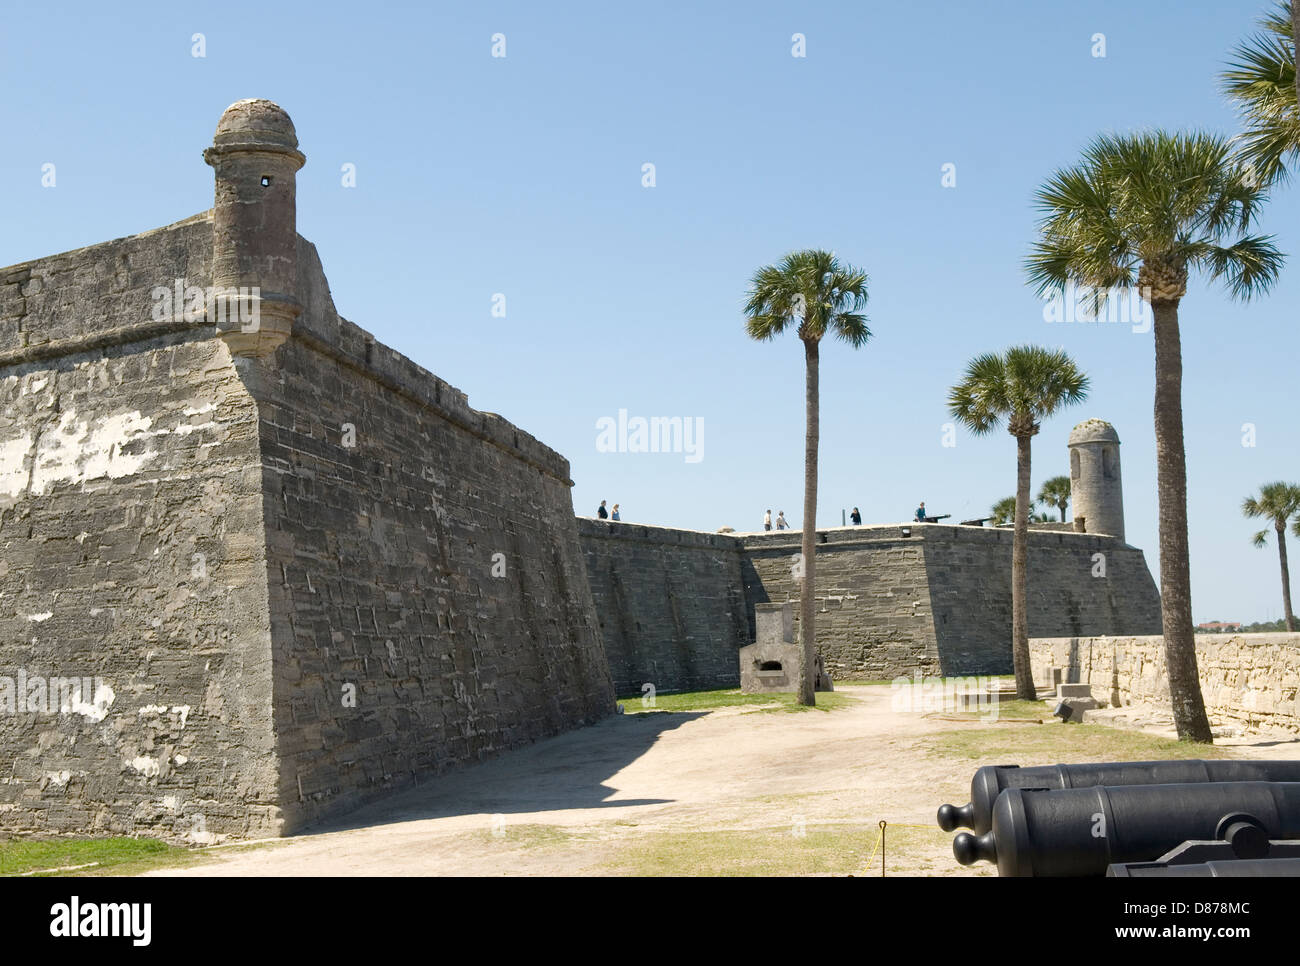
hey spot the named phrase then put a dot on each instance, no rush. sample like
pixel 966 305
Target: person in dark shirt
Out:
pixel 856 517
pixel 920 513
pixel 602 512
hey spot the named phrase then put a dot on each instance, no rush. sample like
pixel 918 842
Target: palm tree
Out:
pixel 1023 386
pixel 815 294
pixel 1056 492
pixel 1262 80
pixel 1277 503
pixel 1004 511
pixel 1143 210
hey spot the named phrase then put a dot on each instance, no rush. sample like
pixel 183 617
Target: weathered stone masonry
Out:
pixel 236 529
pixel 671 604
pixel 1248 679
pixel 937 601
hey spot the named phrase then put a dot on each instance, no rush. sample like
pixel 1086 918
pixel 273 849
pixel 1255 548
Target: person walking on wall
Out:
pixel 602 512
pixel 780 521
pixel 856 517
pixel 614 515
pixel 767 520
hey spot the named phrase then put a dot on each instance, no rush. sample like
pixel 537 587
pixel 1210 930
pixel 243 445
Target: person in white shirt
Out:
pixel 767 520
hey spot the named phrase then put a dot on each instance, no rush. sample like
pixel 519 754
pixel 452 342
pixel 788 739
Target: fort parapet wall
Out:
pixel 292 586
pixel 671 604
pixel 937 601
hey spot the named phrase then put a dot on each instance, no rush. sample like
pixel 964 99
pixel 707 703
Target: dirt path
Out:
pixel 643 785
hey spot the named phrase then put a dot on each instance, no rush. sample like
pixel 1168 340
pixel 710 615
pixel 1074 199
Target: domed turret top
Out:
pixel 256 118
pixel 1093 431
pixel 255 124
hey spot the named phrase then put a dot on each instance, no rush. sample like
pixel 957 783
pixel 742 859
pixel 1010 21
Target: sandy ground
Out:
pixel 572 804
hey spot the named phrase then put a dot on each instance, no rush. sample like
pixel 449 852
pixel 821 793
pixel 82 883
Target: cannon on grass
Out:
pixel 991 780
pixel 1083 831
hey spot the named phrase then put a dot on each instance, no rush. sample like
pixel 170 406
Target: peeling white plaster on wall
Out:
pixel 37 618
pixel 180 709
pixel 145 766
pixel 58 778
pixel 13 464
pixel 75 451
pixel 96 710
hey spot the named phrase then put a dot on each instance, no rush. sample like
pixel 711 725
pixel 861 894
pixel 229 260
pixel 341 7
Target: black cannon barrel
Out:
pixel 1081 831
pixel 1232 868
pixel 991 780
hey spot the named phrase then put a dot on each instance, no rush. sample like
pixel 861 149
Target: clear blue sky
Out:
pixel 523 176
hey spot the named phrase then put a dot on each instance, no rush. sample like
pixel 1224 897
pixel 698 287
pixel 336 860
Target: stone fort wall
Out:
pixel 276 624
pixel 420 550
pixel 131 555
pixel 937 601
pixel 671 604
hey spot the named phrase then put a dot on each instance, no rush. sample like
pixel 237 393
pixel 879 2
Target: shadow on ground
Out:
pixel 564 772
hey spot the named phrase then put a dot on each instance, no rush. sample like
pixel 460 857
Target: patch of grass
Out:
pixel 731 698
pixel 842 849
pixel 118 854
pixel 826 701
pixel 1011 709
pixel 1053 742
pixel 528 836
pixel 855 683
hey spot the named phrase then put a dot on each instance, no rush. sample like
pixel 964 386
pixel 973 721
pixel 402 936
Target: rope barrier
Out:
pixel 880 841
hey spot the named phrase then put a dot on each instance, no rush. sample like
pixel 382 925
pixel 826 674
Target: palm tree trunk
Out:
pixel 1020 577
pixel 1286 574
pixel 808 601
pixel 1175 574
pixel 1295 41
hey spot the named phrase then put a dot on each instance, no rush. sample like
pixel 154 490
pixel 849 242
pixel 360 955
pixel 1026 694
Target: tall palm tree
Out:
pixel 1143 210
pixel 812 292
pixel 1023 386
pixel 1056 492
pixel 1277 503
pixel 1262 80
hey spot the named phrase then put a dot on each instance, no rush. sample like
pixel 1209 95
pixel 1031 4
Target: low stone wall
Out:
pixel 1248 679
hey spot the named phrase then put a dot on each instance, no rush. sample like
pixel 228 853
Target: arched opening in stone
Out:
pixel 1108 463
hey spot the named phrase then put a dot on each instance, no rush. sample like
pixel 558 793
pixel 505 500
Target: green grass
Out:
pixel 855 683
pixel 826 701
pixel 732 698
pixel 527 836
pixel 120 855
pixel 836 849
pixel 1007 710
pixel 1055 742
pixel 117 855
